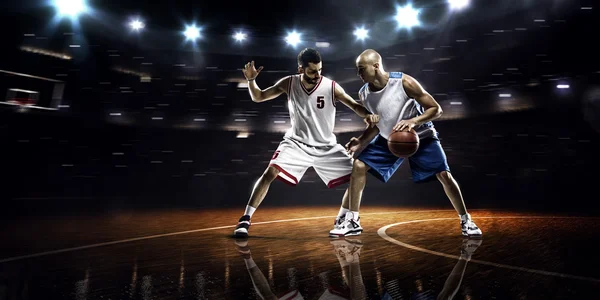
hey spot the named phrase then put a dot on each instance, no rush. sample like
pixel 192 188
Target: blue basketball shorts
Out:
pixel 429 160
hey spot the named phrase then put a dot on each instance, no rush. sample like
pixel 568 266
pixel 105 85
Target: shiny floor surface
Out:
pixel 402 254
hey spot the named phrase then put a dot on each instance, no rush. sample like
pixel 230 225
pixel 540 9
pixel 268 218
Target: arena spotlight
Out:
pixel 458 4
pixel 137 25
pixel 407 16
pixel 293 39
pixel 361 33
pixel 70 8
pixel 240 36
pixel 192 32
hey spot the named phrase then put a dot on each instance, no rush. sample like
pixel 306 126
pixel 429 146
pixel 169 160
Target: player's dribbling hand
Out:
pixel 250 72
pixel 354 146
pixel 371 120
pixel 405 125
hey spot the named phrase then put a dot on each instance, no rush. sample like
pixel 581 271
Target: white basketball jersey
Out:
pixel 392 104
pixel 312 113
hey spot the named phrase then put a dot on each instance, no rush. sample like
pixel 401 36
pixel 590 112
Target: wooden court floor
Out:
pixel 404 253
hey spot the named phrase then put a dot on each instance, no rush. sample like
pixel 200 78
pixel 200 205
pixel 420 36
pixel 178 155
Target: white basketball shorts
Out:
pixel 292 159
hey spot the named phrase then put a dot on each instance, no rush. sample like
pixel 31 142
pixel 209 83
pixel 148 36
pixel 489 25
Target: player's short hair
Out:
pixel 308 55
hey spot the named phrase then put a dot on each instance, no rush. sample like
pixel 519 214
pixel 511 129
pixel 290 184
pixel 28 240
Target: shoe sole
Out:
pixel 472 235
pixel 351 233
pixel 240 235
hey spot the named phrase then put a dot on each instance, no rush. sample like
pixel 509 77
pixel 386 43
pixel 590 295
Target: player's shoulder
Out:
pixel 291 77
pixel 325 79
pixel 286 79
pixel 396 75
pixel 286 82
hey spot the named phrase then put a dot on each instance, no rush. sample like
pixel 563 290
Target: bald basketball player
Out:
pixel 402 104
pixel 310 141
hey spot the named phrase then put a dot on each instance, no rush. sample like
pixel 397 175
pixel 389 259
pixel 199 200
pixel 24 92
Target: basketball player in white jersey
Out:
pixel 310 141
pixel 402 104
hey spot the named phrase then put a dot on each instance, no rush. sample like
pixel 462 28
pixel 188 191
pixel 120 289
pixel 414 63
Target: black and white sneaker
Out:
pixel 468 227
pixel 241 230
pixel 338 222
pixel 347 228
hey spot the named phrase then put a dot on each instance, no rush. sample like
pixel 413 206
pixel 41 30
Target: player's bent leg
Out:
pixel 452 191
pixel 359 166
pixel 334 167
pixel 258 194
pixel 262 186
pixel 351 226
pixel 345 226
pixel 358 180
pixel 468 227
pixel 343 209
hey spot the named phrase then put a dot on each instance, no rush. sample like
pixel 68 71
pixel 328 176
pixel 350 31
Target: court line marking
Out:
pixel 9 259
pixel 381 232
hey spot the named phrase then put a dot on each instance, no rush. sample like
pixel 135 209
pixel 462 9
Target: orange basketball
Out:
pixel 403 143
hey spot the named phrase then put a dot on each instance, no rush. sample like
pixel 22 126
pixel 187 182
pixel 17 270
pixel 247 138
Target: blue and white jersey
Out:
pixel 392 104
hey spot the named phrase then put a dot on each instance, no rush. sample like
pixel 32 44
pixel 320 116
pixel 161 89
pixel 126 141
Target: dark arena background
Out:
pixel 129 147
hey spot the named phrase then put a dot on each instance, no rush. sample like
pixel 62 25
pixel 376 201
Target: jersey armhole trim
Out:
pixel 289 88
pixel 333 93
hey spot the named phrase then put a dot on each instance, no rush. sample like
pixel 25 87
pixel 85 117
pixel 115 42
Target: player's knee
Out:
pixel 359 167
pixel 444 177
pixel 270 173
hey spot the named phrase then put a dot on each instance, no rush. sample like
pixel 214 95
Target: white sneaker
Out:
pixel 346 228
pixel 338 222
pixel 468 227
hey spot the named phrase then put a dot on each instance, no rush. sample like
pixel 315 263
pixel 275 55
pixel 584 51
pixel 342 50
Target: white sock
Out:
pixel 249 210
pixel 352 215
pixel 465 217
pixel 342 212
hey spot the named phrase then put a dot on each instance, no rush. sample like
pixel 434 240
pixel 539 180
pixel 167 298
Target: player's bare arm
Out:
pixel 340 94
pixel 269 93
pixel 358 144
pixel 257 94
pixel 432 109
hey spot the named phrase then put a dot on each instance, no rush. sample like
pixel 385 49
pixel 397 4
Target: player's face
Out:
pixel 312 73
pixel 364 70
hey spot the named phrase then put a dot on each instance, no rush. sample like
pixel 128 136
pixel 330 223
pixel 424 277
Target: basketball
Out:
pixel 403 143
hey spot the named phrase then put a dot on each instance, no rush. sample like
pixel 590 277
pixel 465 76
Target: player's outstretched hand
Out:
pixel 250 72
pixel 371 120
pixel 354 146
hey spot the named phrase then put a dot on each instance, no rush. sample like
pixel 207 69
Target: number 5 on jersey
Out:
pixel 320 102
